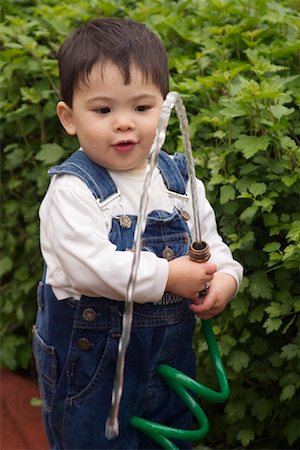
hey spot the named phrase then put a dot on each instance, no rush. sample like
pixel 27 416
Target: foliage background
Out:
pixel 236 63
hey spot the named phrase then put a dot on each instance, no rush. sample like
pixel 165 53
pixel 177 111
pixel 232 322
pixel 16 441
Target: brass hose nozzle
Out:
pixel 199 251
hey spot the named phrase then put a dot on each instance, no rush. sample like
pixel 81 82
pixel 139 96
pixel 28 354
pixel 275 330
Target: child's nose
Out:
pixel 123 122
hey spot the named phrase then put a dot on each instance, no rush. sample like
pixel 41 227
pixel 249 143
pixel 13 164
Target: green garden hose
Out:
pixel 182 384
pixel 199 252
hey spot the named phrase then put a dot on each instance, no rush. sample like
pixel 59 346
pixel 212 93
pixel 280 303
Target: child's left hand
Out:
pixel 221 290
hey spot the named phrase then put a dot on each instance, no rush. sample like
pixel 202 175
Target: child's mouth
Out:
pixel 124 146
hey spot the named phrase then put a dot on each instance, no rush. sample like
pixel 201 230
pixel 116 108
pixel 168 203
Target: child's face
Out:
pixel 114 123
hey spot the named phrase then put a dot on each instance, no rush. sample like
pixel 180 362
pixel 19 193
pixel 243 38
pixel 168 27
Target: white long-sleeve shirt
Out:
pixel 80 258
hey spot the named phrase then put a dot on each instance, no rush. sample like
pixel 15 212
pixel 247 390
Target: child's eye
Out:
pixel 142 108
pixel 104 110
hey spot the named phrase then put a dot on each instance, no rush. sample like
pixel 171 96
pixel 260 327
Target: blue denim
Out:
pixel 76 342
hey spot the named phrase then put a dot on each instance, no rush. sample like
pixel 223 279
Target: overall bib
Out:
pixel 75 342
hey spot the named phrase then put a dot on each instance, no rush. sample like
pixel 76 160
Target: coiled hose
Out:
pixel 183 385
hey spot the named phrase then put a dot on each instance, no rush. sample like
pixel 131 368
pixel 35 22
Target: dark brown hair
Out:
pixel 121 41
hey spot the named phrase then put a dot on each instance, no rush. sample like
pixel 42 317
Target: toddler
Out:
pixel 114 78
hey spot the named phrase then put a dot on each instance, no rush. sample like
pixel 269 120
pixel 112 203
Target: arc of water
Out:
pixel 172 99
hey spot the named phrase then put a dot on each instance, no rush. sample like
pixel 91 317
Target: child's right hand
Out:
pixel 187 278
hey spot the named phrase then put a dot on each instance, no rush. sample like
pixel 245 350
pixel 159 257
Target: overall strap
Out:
pixel 174 171
pixel 101 184
pixel 96 177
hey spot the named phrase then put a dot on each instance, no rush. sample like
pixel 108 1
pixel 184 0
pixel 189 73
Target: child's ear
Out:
pixel 65 115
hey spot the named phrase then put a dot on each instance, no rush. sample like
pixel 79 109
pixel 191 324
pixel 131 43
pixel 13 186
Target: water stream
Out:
pixel 173 99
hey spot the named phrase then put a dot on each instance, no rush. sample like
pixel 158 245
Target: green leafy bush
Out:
pixel 236 63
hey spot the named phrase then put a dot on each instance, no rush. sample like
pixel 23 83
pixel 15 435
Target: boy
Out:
pixel 114 77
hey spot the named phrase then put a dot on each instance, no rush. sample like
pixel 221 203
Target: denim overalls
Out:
pixel 76 342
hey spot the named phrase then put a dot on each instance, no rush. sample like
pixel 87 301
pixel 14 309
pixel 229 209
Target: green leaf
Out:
pixel 14 157
pixel 257 314
pixel 245 436
pixel 276 360
pixel 262 408
pixel 227 193
pixel 226 343
pixel 50 153
pixel 240 307
pixel 274 310
pixel 290 351
pixel 238 360
pixel 292 430
pixel 35 401
pixel 257 188
pixel 220 134
pixel 271 247
pixel 289 180
pixel 288 143
pixel 248 214
pixel 6 264
pixel 270 219
pixel 250 145
pixel 30 94
pixel 287 392
pixel 233 108
pixel 272 325
pixel 279 111
pixel 296 304
pixel 236 410
pixel 261 285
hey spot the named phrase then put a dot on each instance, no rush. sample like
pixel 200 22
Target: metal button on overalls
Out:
pixel 125 221
pixel 168 253
pixel 185 215
pixel 89 314
pixel 84 344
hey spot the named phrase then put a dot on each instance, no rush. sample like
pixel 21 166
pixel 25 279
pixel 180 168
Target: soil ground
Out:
pixel 21 423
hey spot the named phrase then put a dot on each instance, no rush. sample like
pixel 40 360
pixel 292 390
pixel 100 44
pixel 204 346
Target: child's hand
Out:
pixel 221 290
pixel 187 278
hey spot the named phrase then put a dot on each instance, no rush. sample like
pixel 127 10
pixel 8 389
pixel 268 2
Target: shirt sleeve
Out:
pixel 74 241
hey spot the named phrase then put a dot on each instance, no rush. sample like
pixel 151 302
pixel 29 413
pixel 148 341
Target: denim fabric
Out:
pixel 80 165
pixel 99 181
pixel 76 344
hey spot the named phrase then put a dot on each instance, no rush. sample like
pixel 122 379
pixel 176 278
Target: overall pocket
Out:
pixel 91 363
pixel 46 366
